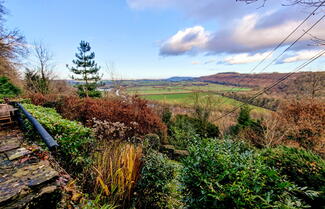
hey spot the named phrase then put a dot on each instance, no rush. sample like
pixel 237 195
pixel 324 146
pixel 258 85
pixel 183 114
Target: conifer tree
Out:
pixel 86 70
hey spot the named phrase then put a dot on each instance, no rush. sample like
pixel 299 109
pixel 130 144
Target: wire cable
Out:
pixel 321 53
pixel 289 47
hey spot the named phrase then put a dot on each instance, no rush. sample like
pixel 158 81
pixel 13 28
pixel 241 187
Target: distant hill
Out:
pixel 246 80
pixel 177 79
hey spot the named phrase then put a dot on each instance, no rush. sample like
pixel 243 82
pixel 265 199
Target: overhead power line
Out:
pixel 288 36
pixel 289 47
pixel 321 53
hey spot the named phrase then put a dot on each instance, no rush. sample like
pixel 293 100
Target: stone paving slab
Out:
pixel 25 180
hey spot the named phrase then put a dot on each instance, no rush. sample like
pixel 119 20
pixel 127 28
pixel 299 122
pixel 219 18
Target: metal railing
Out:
pixel 46 137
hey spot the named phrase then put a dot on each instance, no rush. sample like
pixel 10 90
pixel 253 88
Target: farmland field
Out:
pixel 187 99
pixel 181 87
pixel 183 93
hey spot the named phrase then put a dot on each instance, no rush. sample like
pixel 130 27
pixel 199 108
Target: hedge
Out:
pixel 74 139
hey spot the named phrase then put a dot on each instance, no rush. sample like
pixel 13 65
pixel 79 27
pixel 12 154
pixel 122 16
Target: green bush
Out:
pixel 185 130
pixel 166 116
pixel 74 139
pixel 151 141
pixel 7 89
pixel 227 174
pixel 245 121
pixel 153 190
pixel 182 132
pixel 91 88
pixel 302 167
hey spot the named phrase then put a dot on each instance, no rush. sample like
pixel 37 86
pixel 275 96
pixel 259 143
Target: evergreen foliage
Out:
pixel 185 130
pixel 245 122
pixel 7 89
pixel 153 189
pixel 300 166
pixel 74 139
pixel 229 174
pixel 86 70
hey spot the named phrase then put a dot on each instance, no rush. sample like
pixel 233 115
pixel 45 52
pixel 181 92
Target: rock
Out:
pixel 178 154
pixel 25 180
pixel 17 153
pixel 173 153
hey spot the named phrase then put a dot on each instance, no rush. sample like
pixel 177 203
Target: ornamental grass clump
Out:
pixel 116 170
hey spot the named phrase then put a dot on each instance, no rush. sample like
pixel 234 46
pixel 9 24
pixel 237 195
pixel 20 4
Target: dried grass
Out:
pixel 117 168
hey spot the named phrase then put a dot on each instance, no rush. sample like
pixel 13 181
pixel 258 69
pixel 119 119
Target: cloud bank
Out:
pixel 244 32
pixel 249 35
pixel 245 58
pixel 300 56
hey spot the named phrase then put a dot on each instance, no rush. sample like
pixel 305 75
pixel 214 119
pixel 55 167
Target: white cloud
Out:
pixel 301 55
pixel 184 41
pixel 245 58
pixel 243 30
pixel 250 34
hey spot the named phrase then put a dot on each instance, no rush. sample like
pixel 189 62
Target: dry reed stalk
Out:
pixel 117 167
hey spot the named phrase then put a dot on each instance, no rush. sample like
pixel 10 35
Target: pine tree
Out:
pixel 86 70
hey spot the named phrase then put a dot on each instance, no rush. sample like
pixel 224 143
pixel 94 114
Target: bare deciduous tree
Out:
pixel 40 74
pixel 309 84
pixel 12 47
pixel 44 60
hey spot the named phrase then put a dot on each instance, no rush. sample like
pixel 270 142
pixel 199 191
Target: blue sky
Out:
pixel 163 38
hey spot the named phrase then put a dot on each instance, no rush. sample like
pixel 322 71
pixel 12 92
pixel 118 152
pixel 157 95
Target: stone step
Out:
pixel 26 181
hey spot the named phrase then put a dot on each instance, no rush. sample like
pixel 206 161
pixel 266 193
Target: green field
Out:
pixel 188 99
pixel 182 87
pixel 184 93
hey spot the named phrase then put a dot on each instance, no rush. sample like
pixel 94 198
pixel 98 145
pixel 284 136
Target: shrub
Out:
pixel 305 121
pixel 182 132
pixel 244 121
pixel 301 167
pixel 185 130
pixel 152 189
pixel 111 130
pixel 75 140
pixel 152 141
pixel 227 174
pixel 166 115
pixel 247 128
pixel 117 168
pixel 133 112
pixel 7 89
pixel 91 91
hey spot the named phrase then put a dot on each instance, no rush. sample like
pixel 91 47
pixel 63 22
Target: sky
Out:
pixel 163 38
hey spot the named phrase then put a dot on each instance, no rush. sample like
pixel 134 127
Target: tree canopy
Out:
pixel 86 70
